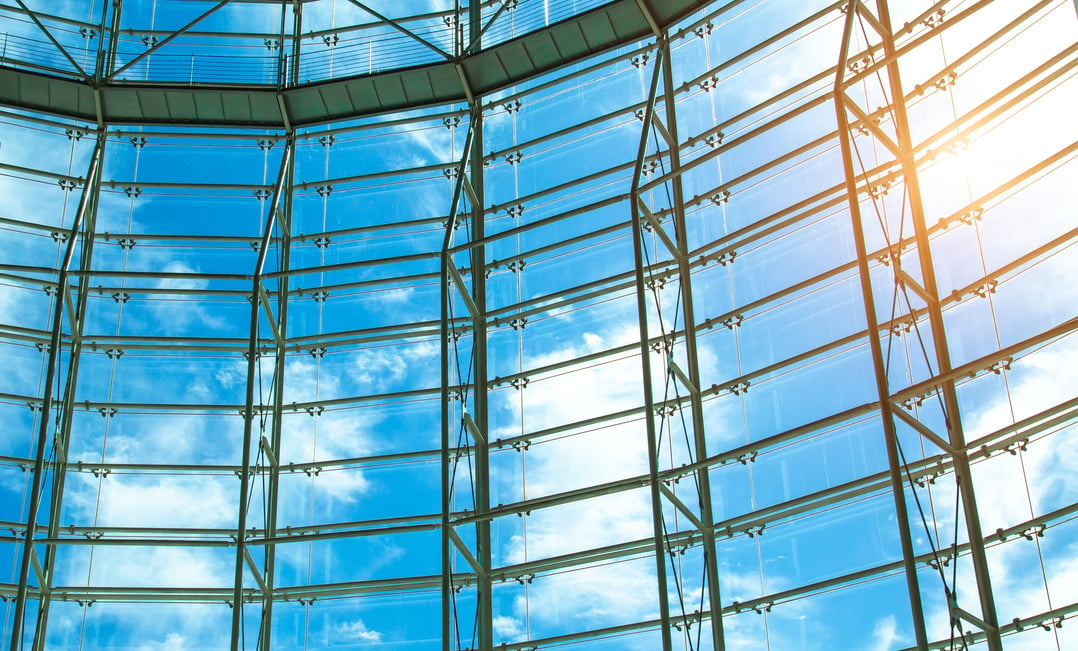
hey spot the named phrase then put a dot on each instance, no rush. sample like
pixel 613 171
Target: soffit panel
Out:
pixel 181 105
pixel 210 108
pixel 598 31
pixel 417 87
pixel 515 60
pixel 153 103
pixel 543 51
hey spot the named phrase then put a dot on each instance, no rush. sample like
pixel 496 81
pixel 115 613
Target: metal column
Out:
pixel 259 302
pixel 474 422
pixel 285 76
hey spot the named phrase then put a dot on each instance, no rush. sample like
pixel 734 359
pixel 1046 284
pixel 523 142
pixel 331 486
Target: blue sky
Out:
pixel 389 169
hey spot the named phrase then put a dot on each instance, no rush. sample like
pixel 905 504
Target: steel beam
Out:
pixel 403 30
pixel 41 26
pixel 158 45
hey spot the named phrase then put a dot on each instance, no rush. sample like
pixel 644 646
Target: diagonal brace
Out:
pixel 167 39
pixel 475 39
pixel 685 510
pixel 254 571
pixel 267 449
pixel 458 281
pixel 659 230
pixel 264 299
pixel 465 552
pixel 680 375
pixel 60 47
pixel 400 28
pixel 866 14
pixel 43 584
pixel 971 618
pixel 921 292
pixel 869 123
pixel 922 429
pixel 470 423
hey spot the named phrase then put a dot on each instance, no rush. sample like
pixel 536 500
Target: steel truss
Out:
pixel 644 217
pixel 885 64
pixel 685 528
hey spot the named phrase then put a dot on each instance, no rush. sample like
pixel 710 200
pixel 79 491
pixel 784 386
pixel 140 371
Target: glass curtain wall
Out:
pixel 754 331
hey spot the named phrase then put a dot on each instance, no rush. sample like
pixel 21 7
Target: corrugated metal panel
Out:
pixel 305 104
pixel 154 105
pixel 63 95
pixel 484 70
pixel 336 100
pixel 264 109
pixel 628 22
pixel 34 91
pixel 120 104
pixel 445 82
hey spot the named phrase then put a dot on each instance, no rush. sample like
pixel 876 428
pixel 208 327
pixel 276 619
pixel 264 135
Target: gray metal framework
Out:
pixel 668 284
pixel 104 96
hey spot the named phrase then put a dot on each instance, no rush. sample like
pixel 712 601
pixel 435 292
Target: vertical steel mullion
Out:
pixel 248 413
pixel 645 363
pixel 953 417
pixel 66 410
pixel 297 32
pixel 445 332
pixel 46 405
pixel 99 56
pixel 280 360
pixel 692 361
pixel 281 73
pixel 105 70
pixel 484 585
pixel 447 568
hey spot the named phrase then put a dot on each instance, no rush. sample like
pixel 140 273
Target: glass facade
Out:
pixel 538 324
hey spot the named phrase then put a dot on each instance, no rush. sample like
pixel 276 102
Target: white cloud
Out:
pixel 356 631
pixel 174 314
pixel 885 635
pixel 601 595
pixel 507 628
